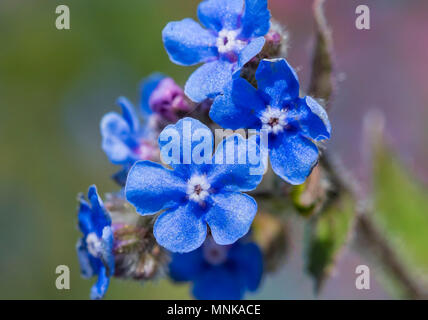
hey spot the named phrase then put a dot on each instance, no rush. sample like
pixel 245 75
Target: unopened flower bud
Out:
pixel 136 252
pixel 168 100
pixel 276 44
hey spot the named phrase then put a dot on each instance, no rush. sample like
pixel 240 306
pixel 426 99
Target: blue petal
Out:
pixel 150 187
pixel 85 217
pixel 186 266
pixel 238 107
pixel 293 157
pixel 115 130
pixel 181 229
pixel 313 119
pixel 256 19
pixel 86 268
pixel 147 87
pixel 230 216
pixel 100 217
pixel 129 114
pixel 107 256
pixel 209 80
pixel 277 79
pixel 250 51
pixel 99 289
pixel 234 165
pixel 218 283
pixel 187 43
pixel 249 261
pixel 220 14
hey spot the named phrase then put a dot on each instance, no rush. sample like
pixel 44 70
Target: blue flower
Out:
pixel 95 248
pixel 219 272
pixel 201 189
pixel 234 34
pixel 294 124
pixel 124 139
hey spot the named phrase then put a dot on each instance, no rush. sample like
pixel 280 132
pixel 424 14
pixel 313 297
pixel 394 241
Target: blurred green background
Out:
pixel 54 88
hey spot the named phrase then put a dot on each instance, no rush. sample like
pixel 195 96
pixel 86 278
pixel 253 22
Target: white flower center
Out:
pixel 93 244
pixel 226 41
pixel 197 188
pixel 273 120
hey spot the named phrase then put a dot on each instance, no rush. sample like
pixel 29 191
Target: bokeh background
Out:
pixel 56 85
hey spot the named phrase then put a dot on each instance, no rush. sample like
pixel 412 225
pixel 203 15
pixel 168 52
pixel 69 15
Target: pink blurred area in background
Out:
pixel 383 68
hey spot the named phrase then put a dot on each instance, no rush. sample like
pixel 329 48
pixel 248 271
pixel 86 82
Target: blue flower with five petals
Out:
pixel 234 34
pixel 201 189
pixel 219 272
pixel 95 248
pixel 294 124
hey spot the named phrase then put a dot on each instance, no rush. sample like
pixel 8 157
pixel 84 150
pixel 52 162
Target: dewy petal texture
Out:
pixel 180 229
pixel 314 120
pixel 278 81
pixel 256 18
pixel 292 123
pixel 234 35
pixel 250 51
pixel 208 80
pixel 230 216
pixel 195 194
pixel 238 107
pixel 151 187
pixel 187 43
pixel 219 14
pixel 293 157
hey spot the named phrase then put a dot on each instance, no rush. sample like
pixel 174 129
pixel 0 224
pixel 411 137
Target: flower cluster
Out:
pixel 181 192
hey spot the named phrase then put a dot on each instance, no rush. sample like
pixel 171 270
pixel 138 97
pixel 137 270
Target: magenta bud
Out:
pixel 273 37
pixel 168 100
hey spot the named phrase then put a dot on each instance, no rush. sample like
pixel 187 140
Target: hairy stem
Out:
pixel 368 235
pixel 369 238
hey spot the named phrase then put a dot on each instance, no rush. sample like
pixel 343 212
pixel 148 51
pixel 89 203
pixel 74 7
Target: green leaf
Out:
pixel 326 235
pixel 401 206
